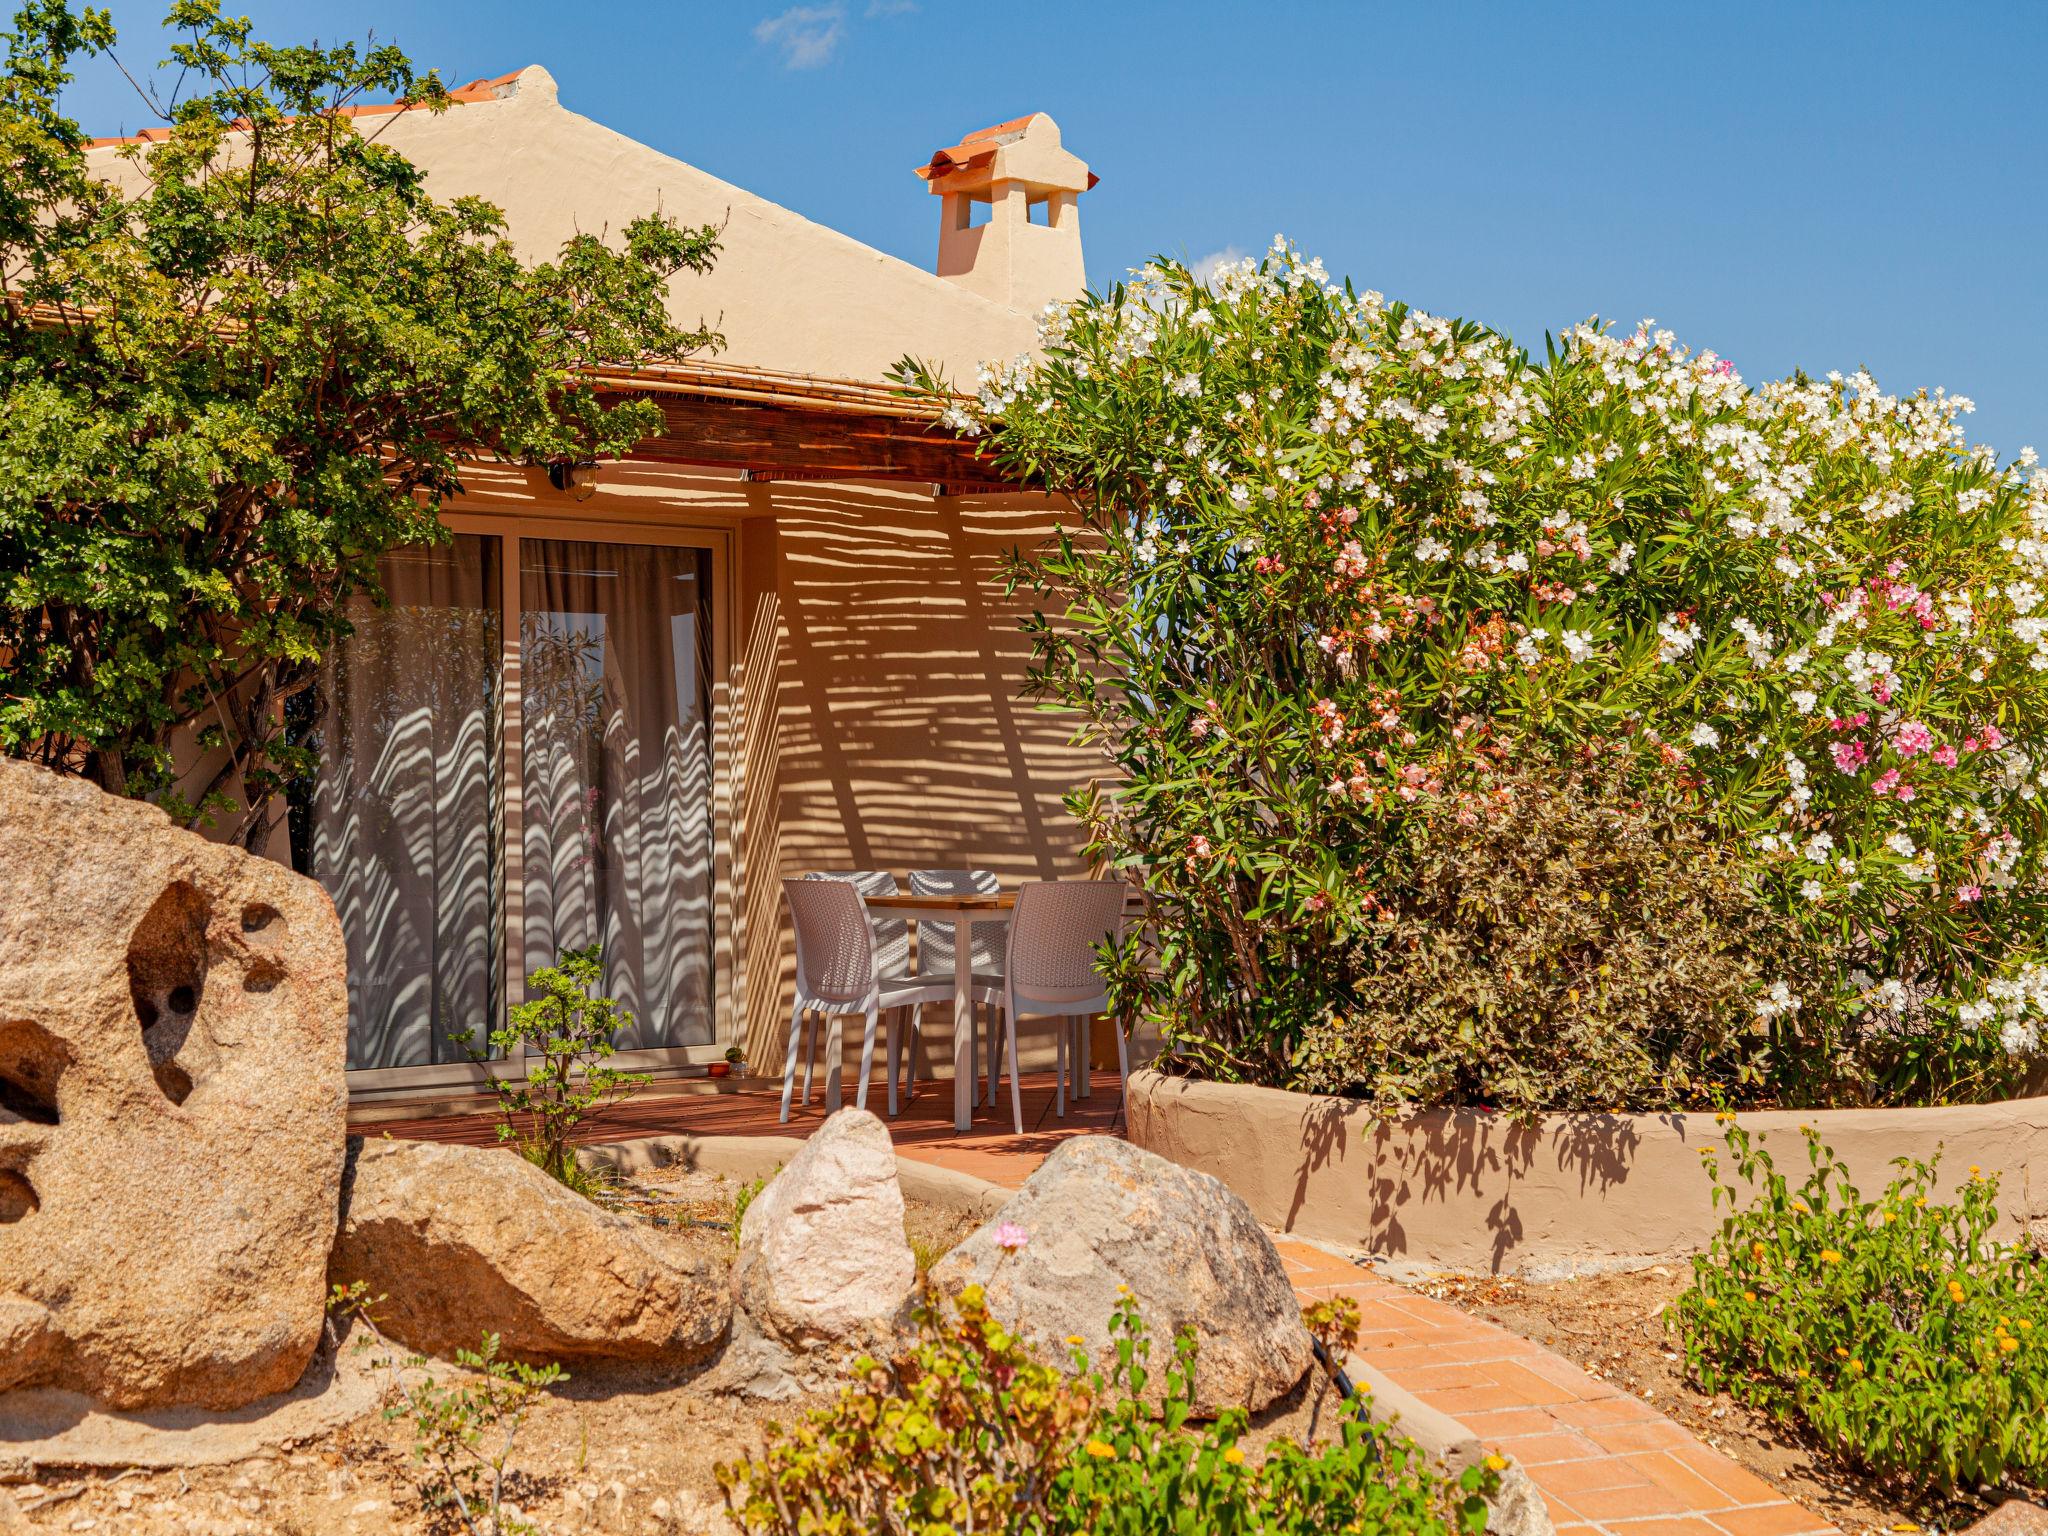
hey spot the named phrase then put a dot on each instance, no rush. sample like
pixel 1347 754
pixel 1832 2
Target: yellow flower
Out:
pixel 1756 1250
pixel 1708 1301
pixel 2025 1325
pixel 1075 1338
pixel 1802 1373
pixel 1100 1448
pixel 1890 1217
pixel 1496 1463
pixel 1749 1295
pixel 1855 1367
pixel 1235 1455
pixel 1955 1290
pixel 1829 1256
pixel 2008 1343
pixel 1802 1207
pixel 1841 1353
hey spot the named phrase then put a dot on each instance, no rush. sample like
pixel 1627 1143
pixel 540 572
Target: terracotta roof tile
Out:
pixel 480 89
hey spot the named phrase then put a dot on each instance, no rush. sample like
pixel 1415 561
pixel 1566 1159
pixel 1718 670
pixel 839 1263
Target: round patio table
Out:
pixel 963 912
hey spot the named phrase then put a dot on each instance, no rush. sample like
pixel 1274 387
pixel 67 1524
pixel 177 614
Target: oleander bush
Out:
pixel 1354 591
pixel 969 1432
pixel 1578 939
pixel 1896 1330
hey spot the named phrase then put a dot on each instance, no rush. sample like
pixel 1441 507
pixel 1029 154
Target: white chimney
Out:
pixel 1009 213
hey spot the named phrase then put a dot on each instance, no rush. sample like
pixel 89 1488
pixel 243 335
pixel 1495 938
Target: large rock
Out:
pixel 173 1029
pixel 1099 1214
pixel 2015 1517
pixel 461 1241
pixel 823 1259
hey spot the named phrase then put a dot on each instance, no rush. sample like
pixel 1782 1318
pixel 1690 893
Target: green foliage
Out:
pixel 1340 567
pixel 969 1432
pixel 965 1433
pixel 463 1433
pixel 233 379
pixel 567 1031
pixel 1895 1329
pixel 744 1197
pixel 1575 940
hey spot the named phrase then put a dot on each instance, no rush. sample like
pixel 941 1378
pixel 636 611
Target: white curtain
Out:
pixel 402 823
pixel 616 784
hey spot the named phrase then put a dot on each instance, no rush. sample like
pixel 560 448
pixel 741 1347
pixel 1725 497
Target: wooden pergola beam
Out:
pixel 774 440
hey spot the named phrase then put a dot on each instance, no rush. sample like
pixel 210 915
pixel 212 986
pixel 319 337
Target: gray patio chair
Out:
pixel 838 972
pixel 1050 968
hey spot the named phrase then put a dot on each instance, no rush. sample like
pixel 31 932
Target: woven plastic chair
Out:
pixel 1050 968
pixel 935 952
pixel 839 972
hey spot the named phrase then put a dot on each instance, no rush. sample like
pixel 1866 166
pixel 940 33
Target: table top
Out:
pixel 971 902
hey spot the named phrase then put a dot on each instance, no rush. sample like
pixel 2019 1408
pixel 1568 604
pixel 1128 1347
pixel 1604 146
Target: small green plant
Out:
pixel 745 1196
pixel 1147 1470
pixel 965 1432
pixel 736 1057
pixel 969 1432
pixel 1896 1329
pixel 567 1031
pixel 463 1433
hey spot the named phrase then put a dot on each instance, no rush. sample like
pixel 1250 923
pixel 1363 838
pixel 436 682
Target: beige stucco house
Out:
pixel 619 709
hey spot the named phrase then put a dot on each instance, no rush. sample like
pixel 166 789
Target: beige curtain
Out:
pixel 616 786
pixel 402 822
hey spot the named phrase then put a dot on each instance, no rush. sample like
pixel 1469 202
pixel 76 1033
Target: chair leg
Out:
pixel 1010 1051
pixel 796 1016
pixel 810 1052
pixel 867 1055
pixel 893 1022
pixel 835 1059
pixel 1063 1062
pixel 916 1017
pixel 1084 1043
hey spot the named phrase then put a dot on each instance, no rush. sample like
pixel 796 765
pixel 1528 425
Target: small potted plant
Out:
pixel 735 1061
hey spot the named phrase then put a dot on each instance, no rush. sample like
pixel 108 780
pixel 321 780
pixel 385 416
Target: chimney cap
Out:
pixel 1025 149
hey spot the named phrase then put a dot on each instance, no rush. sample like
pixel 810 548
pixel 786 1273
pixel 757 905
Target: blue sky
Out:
pixel 1815 185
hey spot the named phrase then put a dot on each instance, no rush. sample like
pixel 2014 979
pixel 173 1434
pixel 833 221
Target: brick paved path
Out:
pixel 1605 1461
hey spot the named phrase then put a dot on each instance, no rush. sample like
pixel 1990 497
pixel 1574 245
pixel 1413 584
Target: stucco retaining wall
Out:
pixel 1470 1191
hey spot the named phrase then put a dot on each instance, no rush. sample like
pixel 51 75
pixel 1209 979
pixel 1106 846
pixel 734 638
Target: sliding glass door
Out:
pixel 516 757
pixel 403 824
pixel 616 783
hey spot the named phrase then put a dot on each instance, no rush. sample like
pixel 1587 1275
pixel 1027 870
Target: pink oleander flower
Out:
pixel 1849 755
pixel 1945 755
pixel 1912 738
pixel 1968 893
pixel 1319 902
pixel 1010 1237
pixel 1884 783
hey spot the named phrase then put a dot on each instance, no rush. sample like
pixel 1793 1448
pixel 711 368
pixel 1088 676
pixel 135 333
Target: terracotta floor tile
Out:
pixel 1536 1450
pixel 1601 1412
pixel 1700 1495
pixel 1740 1485
pixel 1503 1422
pixel 1576 1479
pixel 1652 1435
pixel 1605 1504
pixel 1665 1525
pixel 1780 1519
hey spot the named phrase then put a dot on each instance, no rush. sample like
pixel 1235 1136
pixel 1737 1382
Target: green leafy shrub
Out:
pixel 463 1432
pixel 1340 565
pixel 239 367
pixel 1895 1329
pixel 567 1031
pixel 969 1432
pixel 1576 939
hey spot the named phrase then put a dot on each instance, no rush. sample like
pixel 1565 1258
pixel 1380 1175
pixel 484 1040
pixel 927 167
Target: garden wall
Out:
pixel 1472 1191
